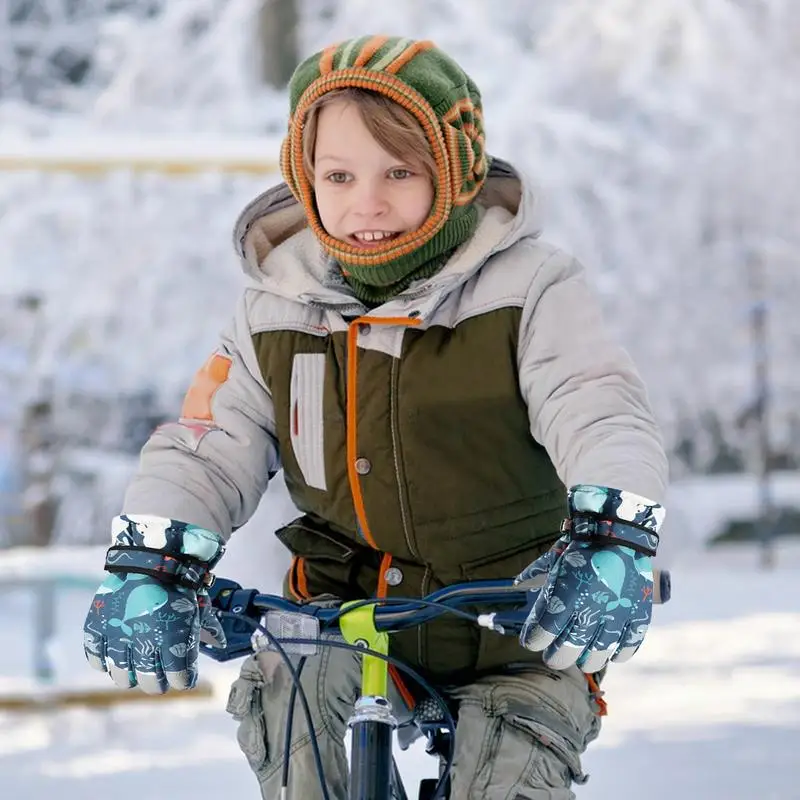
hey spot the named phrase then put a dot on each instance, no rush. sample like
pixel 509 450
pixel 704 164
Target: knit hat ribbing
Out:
pixel 446 103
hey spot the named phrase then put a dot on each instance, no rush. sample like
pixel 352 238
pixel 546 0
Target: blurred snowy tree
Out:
pixel 47 47
pixel 193 67
pixel 664 136
pixel 277 25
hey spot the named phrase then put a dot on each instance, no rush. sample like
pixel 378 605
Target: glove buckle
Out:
pixel 209 579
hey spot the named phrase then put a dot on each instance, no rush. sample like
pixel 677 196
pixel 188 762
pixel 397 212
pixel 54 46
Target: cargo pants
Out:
pixel 520 734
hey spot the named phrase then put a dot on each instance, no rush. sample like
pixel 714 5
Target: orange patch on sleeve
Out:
pixel 197 403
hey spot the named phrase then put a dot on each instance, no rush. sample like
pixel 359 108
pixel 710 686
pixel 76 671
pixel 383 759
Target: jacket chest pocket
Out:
pixel 306 417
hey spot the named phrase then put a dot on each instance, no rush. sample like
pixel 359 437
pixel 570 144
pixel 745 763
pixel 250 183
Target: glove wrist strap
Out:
pixel 613 517
pixel 171 569
pixel 611 533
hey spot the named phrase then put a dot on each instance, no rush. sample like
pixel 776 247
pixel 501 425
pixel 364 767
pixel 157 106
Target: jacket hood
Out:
pixel 280 254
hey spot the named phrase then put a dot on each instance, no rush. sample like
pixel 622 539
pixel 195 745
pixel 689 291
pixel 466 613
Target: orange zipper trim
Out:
pixel 352 412
pixel 383 587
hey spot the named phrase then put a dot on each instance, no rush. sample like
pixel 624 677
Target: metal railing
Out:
pixel 177 156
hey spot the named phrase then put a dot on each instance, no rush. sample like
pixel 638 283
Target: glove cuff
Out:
pixel 167 549
pixel 614 517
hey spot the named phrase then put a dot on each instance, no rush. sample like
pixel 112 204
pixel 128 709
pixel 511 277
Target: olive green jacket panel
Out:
pixel 444 448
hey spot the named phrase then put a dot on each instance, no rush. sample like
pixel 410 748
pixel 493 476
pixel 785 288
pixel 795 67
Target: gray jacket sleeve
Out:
pixel 212 469
pixel 587 403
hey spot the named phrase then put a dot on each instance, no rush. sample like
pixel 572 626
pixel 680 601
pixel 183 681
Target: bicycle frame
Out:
pixel 372 723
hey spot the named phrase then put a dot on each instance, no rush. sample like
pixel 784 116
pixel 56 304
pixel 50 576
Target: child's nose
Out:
pixel 370 200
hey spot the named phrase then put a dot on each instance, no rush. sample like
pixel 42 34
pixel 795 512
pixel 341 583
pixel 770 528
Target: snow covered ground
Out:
pixel 710 708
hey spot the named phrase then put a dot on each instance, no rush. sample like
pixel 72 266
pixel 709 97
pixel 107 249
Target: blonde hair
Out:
pixel 396 130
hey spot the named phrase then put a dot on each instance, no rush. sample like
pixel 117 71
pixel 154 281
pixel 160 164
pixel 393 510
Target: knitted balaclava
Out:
pixel 447 104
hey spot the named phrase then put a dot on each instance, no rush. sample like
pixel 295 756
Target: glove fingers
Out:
pixel 571 645
pixel 598 649
pixel 122 675
pixel 535 637
pixel 624 654
pixel 95 662
pixel 562 655
pixel 631 641
pixel 540 630
pixel 150 676
pixel 151 682
pixel 120 664
pixel 94 648
pixel 179 663
pixel 211 631
pixel 541 566
pixel 181 679
pixel 549 620
pixel 594 660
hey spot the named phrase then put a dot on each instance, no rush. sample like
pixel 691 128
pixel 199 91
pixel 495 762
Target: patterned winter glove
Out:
pixel 145 622
pixel 597 600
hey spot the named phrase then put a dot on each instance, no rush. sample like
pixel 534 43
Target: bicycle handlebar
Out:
pixel 508 606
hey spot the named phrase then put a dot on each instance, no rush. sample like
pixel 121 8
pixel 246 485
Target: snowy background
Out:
pixel 663 138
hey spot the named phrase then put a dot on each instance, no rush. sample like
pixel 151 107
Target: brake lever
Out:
pixel 228 596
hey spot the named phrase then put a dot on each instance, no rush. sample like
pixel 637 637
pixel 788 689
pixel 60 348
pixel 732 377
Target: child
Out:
pixel 430 377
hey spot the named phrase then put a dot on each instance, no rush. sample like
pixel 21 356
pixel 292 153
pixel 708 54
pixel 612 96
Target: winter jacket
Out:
pixel 426 441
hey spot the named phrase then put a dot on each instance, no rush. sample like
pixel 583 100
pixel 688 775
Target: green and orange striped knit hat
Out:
pixel 441 96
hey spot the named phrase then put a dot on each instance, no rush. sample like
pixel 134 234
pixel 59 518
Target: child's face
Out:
pixel 364 193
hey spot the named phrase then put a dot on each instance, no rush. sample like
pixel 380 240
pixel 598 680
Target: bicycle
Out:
pixel 254 622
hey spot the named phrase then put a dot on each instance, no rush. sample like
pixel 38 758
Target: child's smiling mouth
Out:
pixel 371 238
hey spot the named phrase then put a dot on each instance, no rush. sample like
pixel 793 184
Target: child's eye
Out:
pixel 337 177
pixel 401 173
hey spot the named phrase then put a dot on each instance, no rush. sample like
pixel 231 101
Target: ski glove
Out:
pixel 145 621
pixel 596 602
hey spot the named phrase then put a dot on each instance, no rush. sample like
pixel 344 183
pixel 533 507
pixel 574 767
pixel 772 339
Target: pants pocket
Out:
pixel 567 760
pixel 245 706
pixel 510 755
